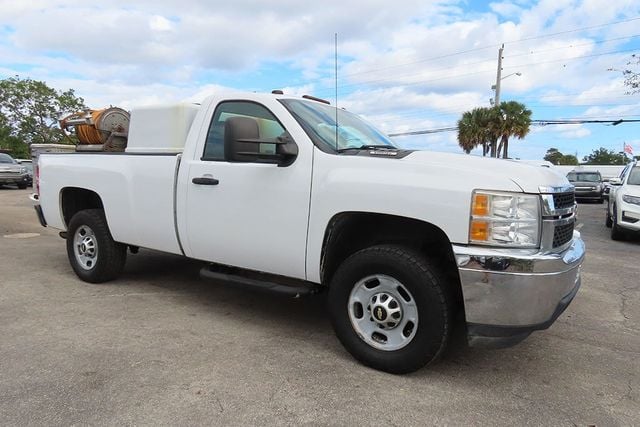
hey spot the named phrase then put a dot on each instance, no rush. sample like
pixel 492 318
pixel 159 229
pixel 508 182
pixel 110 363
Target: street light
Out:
pixel 496 86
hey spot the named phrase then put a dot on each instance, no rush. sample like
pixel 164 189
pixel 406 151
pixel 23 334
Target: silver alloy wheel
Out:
pixel 85 247
pixel 383 312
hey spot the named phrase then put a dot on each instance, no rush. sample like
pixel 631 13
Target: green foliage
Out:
pixel 477 127
pixel 515 122
pixel 485 126
pixel 604 156
pixel 557 158
pixel 30 110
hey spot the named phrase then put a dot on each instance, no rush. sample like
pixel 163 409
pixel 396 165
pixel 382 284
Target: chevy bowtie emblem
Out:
pixel 379 313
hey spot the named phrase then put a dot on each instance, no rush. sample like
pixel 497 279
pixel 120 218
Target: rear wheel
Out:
pixel 22 186
pixel 616 232
pixel 93 254
pixel 390 309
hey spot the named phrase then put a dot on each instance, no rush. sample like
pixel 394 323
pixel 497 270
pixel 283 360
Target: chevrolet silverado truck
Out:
pixel 295 196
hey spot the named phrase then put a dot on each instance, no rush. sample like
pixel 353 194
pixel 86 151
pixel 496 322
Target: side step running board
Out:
pixel 260 281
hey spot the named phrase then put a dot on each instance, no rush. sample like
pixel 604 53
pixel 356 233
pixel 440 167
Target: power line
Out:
pixel 492 46
pixel 519 66
pixel 574 30
pixel 462 52
pixel 533 122
pixel 424 132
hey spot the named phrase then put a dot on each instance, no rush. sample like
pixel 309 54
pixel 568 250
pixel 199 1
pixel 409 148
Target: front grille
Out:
pixel 564 200
pixel 562 234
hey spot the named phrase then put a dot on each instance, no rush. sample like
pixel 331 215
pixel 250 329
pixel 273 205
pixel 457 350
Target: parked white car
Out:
pixel 623 210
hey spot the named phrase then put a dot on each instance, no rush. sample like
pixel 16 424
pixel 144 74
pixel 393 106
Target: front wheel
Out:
pixel 390 309
pixel 607 221
pixel 93 254
pixel 616 232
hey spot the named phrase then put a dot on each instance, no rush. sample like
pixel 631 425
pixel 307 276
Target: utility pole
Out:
pixel 499 76
pixel 494 151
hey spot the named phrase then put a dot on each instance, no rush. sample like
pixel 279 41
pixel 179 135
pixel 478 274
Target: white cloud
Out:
pixel 409 65
pixel 566 131
pixel 160 23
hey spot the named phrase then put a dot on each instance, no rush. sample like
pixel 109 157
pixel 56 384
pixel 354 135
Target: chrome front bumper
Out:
pixel 509 293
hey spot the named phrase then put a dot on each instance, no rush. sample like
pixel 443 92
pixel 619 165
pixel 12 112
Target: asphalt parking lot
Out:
pixel 161 347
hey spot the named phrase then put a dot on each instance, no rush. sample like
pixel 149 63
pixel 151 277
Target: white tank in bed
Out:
pixel 160 129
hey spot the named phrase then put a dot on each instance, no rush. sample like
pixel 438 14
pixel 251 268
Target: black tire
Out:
pixel 22 186
pixel 616 232
pixel 110 256
pixel 607 221
pixel 433 300
pixel 601 201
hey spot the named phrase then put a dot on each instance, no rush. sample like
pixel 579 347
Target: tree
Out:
pixel 569 159
pixel 604 156
pixel 485 126
pixel 30 109
pixel 515 121
pixel 557 158
pixel 11 143
pixel 478 127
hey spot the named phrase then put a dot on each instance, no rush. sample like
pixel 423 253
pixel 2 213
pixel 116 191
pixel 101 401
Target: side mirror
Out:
pixel 615 181
pixel 242 143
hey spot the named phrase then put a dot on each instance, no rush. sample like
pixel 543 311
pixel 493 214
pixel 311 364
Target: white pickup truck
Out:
pixel 293 195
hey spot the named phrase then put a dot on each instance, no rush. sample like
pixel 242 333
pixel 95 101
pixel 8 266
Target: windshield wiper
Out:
pixel 368 147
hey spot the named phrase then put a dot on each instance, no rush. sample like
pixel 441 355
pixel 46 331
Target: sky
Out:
pixel 404 66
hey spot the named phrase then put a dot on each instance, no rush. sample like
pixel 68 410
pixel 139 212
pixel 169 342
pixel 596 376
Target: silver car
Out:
pixel 11 172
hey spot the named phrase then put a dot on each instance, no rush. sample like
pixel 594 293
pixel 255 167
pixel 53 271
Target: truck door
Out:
pixel 250 215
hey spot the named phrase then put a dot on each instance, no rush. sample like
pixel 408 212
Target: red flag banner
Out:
pixel 628 149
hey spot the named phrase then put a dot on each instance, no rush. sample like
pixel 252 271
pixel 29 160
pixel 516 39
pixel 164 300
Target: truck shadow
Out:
pixel 280 315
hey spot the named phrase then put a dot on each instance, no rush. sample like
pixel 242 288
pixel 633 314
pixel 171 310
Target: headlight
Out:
pixel 23 170
pixel 505 219
pixel 598 187
pixel 634 200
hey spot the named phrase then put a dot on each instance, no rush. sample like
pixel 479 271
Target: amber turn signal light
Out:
pixel 480 205
pixel 479 231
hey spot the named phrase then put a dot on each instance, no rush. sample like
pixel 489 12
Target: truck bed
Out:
pixel 137 192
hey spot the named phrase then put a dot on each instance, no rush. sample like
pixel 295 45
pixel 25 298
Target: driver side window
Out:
pixel 268 125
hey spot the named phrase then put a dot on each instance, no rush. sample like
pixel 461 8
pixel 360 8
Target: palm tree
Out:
pixel 478 127
pixel 468 130
pixel 515 120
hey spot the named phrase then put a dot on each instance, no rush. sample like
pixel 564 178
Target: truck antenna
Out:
pixel 335 62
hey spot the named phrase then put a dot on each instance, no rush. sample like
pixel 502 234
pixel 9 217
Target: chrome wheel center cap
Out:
pixel 385 310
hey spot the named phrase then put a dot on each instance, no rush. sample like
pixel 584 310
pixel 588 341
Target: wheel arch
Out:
pixel 75 199
pixel 349 232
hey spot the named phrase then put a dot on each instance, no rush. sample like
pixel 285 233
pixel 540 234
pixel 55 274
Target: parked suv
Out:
pixel 588 185
pixel 623 209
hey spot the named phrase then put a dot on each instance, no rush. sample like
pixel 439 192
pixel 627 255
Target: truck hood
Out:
pixel 528 177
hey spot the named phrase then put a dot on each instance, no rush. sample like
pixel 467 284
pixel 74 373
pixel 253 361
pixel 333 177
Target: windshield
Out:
pixel 583 177
pixel 5 158
pixel 634 176
pixel 319 121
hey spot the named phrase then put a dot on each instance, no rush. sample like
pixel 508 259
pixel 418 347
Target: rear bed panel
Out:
pixel 136 191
